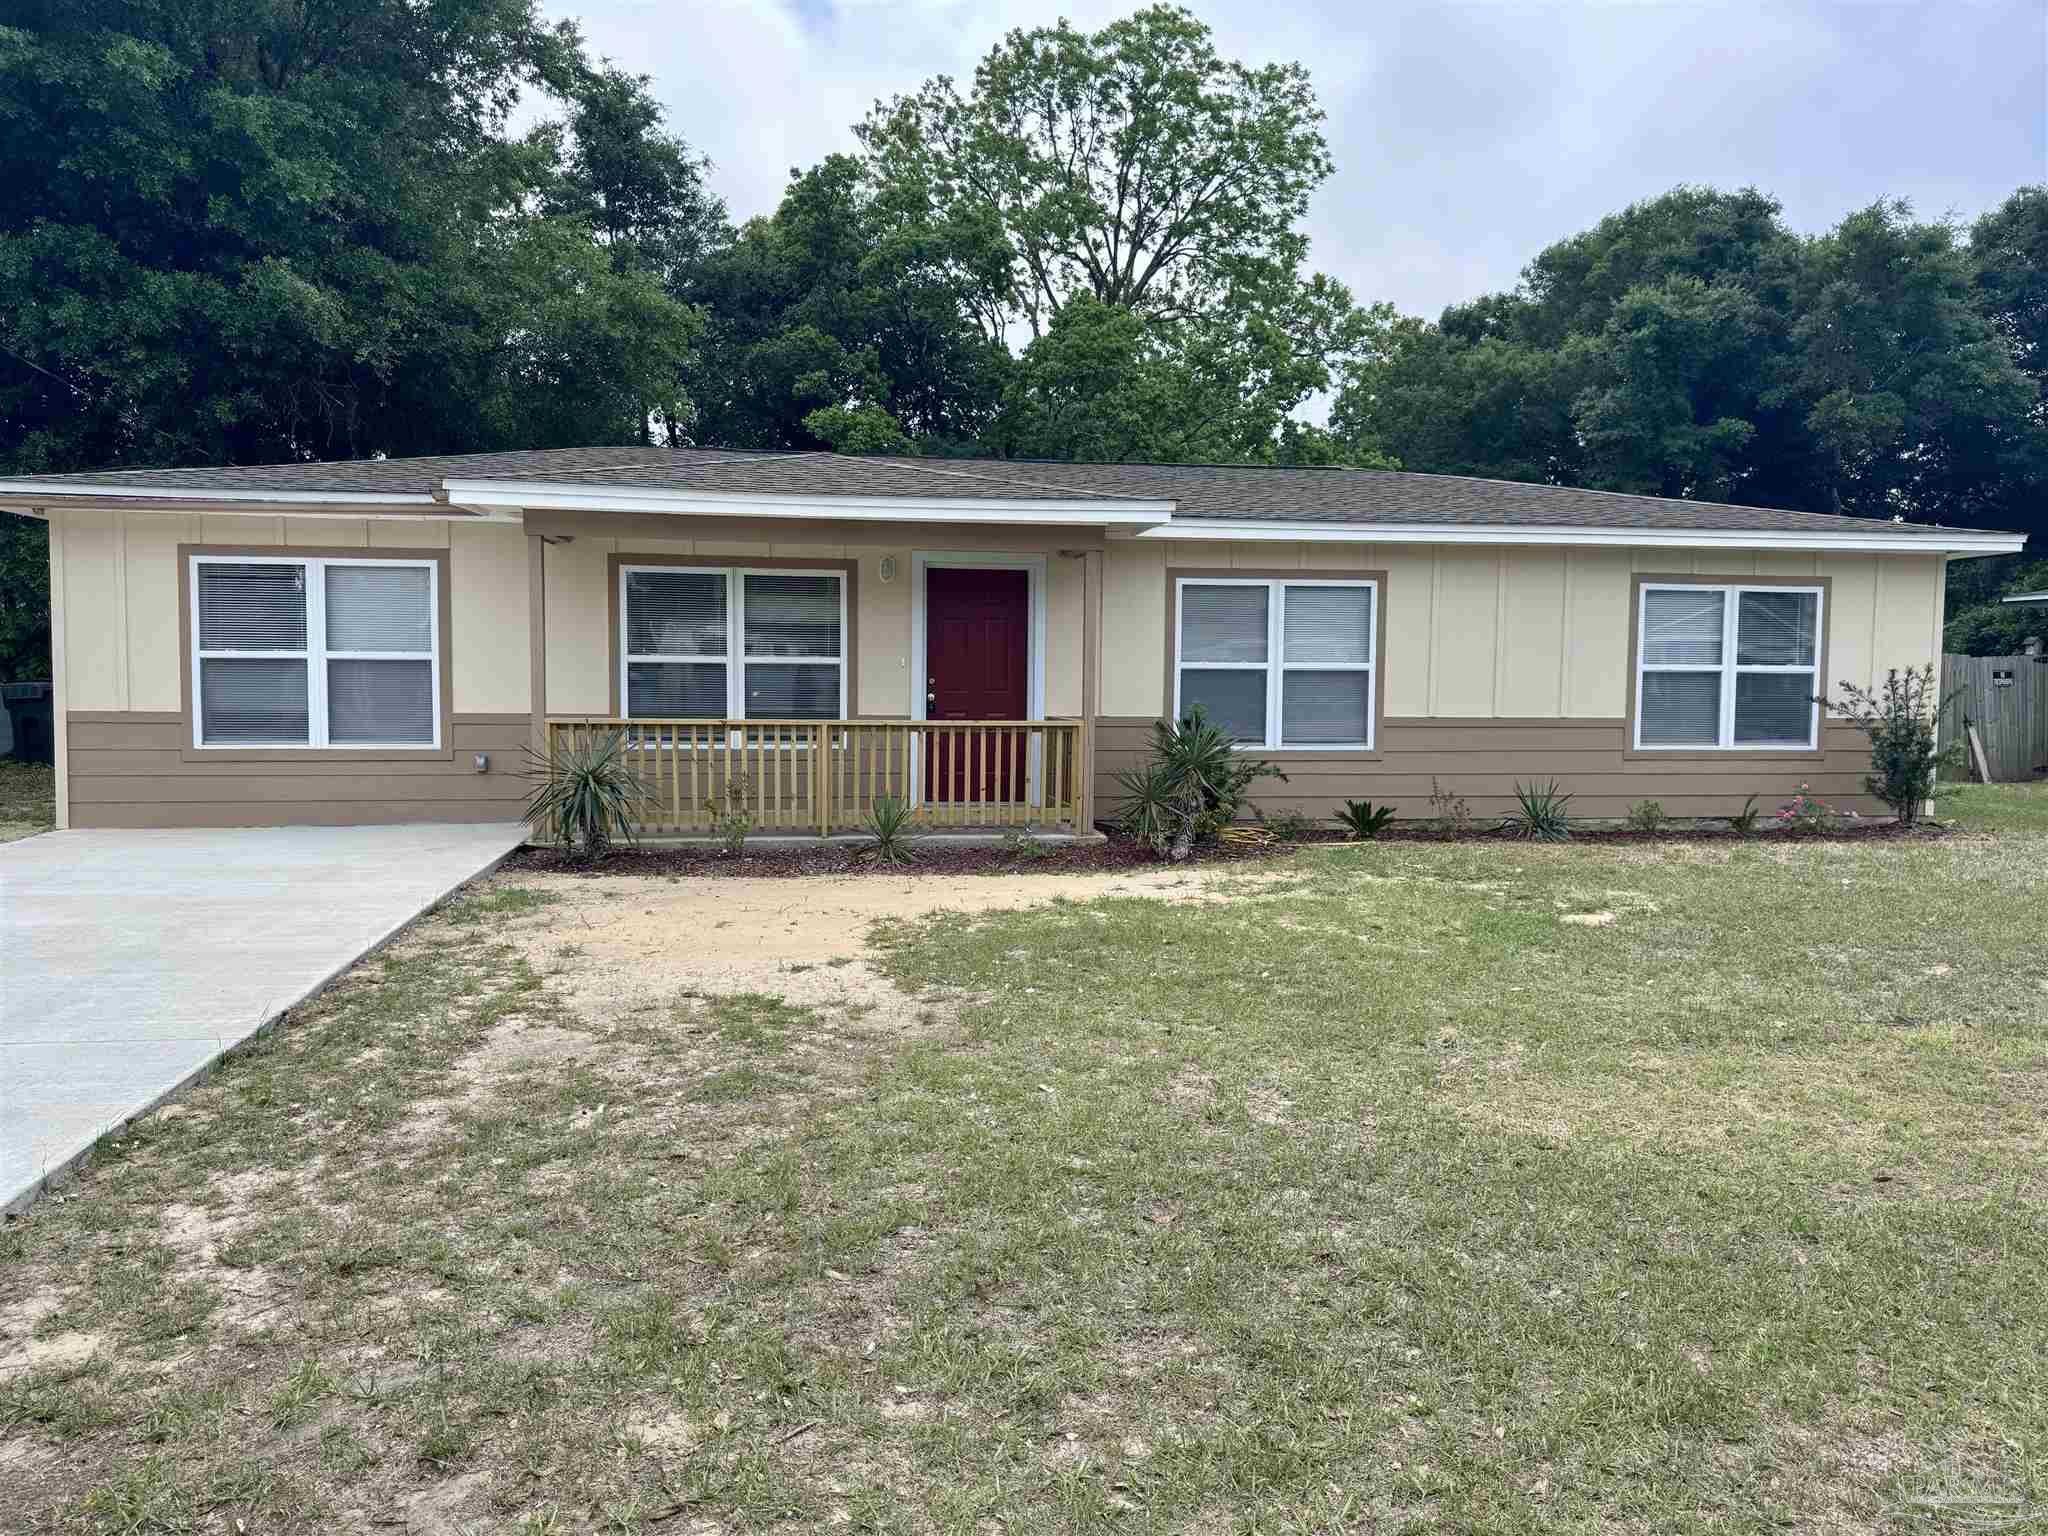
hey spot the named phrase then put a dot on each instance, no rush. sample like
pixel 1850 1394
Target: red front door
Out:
pixel 977 667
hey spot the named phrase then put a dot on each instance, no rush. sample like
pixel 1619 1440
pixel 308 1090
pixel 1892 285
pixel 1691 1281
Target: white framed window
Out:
pixel 713 642
pixel 1725 666
pixel 1279 663
pixel 293 651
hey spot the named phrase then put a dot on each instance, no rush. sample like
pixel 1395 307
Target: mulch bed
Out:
pixel 705 862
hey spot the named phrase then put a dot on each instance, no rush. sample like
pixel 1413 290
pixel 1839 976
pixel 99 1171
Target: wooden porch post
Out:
pixel 537 637
pixel 1091 686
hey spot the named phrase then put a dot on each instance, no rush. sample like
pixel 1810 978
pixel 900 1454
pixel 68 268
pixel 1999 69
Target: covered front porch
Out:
pixel 819 778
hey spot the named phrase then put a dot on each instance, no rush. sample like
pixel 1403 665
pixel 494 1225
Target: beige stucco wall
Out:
pixel 1512 632
pixel 120 608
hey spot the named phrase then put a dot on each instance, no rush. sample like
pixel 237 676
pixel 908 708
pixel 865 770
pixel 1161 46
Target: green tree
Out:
pixel 244 231
pixel 839 322
pixel 24 599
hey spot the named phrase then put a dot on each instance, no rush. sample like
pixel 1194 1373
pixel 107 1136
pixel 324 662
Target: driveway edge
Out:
pixel 61 1172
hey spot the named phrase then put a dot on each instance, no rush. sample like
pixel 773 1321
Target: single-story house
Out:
pixel 380 641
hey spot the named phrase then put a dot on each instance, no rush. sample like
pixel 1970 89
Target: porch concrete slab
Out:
pixel 130 961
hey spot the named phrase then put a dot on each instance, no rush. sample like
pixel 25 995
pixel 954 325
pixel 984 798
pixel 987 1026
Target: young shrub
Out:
pixel 1544 815
pixel 1193 786
pixel 1646 815
pixel 1288 826
pixel 1900 720
pixel 1448 809
pixel 1024 847
pixel 731 820
pixel 587 794
pixel 1363 820
pixel 888 823
pixel 1744 820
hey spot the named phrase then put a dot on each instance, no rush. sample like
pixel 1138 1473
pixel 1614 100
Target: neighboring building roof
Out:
pixel 1198 493
pixel 2028 597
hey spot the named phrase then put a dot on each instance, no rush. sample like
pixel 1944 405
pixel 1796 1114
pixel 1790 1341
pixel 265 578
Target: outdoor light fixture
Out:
pixel 887 569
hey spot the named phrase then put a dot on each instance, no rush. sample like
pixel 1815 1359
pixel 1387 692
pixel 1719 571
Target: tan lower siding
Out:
pixel 130 771
pixel 1484 760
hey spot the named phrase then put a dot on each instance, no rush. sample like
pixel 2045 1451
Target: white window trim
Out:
pixel 1276 666
pixel 1728 667
pixel 316 655
pixel 734 659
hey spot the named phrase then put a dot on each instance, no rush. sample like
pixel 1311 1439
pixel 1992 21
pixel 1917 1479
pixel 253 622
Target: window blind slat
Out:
pixel 379 608
pixel 377 702
pixel 1234 701
pixel 784 690
pixel 1328 624
pixel 689 690
pixel 1682 628
pixel 253 701
pixel 791 616
pixel 1320 708
pixel 1681 709
pixel 1774 708
pixel 676 613
pixel 1776 629
pixel 252 607
pixel 1222 623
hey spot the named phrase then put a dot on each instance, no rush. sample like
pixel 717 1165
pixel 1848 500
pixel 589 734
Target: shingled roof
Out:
pixel 1198 492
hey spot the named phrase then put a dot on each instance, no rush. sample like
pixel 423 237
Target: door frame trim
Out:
pixel 922 561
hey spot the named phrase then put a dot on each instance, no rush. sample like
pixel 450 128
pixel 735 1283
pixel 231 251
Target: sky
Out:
pixel 1467 136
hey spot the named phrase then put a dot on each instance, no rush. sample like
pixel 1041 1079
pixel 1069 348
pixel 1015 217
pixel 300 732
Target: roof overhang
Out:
pixel 2027 597
pixel 491 495
pixel 1878 540
pixel 37 499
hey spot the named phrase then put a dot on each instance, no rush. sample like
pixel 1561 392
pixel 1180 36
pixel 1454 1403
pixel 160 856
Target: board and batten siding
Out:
pixel 127 743
pixel 579 604
pixel 1509 663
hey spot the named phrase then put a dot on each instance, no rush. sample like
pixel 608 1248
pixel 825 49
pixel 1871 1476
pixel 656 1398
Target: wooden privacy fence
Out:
pixel 2006 699
pixel 824 776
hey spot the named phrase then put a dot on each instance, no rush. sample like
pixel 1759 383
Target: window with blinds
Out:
pixel 1279 663
pixel 1728 666
pixel 315 653
pixel 732 644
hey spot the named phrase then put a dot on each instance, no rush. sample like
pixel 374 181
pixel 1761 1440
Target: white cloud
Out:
pixel 1467 136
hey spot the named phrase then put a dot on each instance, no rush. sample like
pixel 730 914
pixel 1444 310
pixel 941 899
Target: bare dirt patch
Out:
pixel 615 945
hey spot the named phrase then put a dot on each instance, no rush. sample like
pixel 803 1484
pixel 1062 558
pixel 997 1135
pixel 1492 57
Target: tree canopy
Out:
pixel 1695 346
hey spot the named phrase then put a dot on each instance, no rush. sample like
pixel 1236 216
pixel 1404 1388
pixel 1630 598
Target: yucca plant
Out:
pixel 1194 785
pixel 588 794
pixel 1543 815
pixel 888 823
pixel 1364 820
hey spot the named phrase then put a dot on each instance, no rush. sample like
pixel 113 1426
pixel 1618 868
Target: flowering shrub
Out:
pixel 1807 812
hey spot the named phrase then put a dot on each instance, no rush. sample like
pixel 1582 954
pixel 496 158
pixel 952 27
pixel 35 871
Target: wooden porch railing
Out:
pixel 824 776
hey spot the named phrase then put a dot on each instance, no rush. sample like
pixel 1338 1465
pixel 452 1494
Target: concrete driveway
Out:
pixel 129 961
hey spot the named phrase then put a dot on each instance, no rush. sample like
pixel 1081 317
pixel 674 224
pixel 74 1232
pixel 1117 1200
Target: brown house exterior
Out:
pixel 381 641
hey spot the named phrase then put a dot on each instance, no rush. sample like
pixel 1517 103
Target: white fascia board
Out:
pixel 545 496
pixel 44 495
pixel 1946 542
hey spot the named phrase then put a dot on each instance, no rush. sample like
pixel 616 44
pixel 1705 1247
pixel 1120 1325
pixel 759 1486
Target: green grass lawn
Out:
pixel 1480 1188
pixel 28 799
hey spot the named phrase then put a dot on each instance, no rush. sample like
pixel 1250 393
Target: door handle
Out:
pixel 931 697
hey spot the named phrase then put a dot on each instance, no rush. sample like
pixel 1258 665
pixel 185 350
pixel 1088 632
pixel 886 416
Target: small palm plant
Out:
pixel 1364 820
pixel 888 823
pixel 588 794
pixel 1544 815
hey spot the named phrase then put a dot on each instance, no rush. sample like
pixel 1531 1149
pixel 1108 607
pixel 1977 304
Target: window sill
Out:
pixel 247 754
